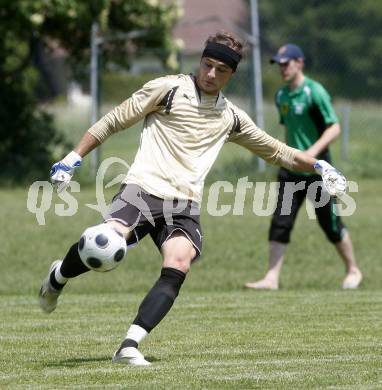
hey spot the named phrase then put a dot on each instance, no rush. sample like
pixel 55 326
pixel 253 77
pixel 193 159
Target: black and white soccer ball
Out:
pixel 101 247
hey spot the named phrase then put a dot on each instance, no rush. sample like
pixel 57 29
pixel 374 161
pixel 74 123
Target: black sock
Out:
pixel 127 343
pixel 72 265
pixel 160 298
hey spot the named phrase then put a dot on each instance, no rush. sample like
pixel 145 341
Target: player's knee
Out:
pixel 178 252
pixel 334 236
pixel 120 227
pixel 334 231
pixel 179 261
pixel 281 228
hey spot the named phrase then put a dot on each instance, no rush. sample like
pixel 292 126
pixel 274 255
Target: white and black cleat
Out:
pixel 48 295
pixel 131 356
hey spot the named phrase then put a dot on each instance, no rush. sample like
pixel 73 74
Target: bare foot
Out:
pixel 263 284
pixel 352 280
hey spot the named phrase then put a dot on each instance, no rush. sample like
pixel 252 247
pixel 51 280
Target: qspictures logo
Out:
pixel 262 196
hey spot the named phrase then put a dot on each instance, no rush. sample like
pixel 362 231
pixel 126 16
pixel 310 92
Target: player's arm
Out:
pixel 61 172
pixel 125 115
pixel 323 106
pixel 303 162
pixel 278 153
pixel 327 137
pixel 87 143
pixel 333 180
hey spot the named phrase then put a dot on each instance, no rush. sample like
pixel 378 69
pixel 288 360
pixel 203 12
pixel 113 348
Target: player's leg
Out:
pixel 289 201
pixel 61 271
pixel 177 253
pixel 336 233
pixel 180 244
pixel 353 276
pixel 275 262
pixel 71 266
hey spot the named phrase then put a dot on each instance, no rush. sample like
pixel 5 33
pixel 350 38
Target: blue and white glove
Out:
pixel 334 181
pixel 62 171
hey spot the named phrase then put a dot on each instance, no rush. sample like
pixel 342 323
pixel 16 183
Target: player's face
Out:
pixel 213 75
pixel 290 70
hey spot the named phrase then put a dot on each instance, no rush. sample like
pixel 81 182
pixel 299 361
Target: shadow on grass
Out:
pixel 77 361
pixel 152 359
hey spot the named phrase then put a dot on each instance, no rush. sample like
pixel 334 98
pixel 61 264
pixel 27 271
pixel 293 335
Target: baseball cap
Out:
pixel 287 52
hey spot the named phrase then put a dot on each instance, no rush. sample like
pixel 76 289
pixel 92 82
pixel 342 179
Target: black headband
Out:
pixel 222 53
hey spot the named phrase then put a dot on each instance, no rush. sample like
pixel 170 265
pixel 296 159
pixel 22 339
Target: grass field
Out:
pixel 215 340
pixel 308 335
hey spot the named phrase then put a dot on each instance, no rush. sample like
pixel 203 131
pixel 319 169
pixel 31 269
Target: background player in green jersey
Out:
pixel 311 125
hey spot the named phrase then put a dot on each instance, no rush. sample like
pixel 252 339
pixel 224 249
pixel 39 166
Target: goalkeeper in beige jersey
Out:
pixel 187 120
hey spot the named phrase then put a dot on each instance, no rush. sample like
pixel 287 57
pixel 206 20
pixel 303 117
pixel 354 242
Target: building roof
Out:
pixel 205 17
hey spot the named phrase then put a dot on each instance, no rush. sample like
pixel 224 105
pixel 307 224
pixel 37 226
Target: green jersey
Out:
pixel 305 112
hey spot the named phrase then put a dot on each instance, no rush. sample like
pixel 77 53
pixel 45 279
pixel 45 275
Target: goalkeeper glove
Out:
pixel 62 171
pixel 334 181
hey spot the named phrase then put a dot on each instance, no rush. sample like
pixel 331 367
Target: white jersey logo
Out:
pixel 299 108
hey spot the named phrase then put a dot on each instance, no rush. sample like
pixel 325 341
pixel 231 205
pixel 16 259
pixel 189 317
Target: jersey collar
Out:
pixel 297 90
pixel 220 99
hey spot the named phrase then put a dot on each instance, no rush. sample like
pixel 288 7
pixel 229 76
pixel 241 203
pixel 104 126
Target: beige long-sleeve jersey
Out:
pixel 183 133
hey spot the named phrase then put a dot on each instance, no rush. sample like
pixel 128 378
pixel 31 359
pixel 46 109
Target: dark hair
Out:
pixel 226 39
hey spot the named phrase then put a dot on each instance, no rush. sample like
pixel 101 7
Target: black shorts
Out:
pixel 148 214
pixel 282 223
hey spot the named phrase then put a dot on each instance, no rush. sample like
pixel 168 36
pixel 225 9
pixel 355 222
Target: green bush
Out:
pixel 27 134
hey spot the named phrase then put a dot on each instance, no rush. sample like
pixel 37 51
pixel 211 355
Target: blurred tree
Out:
pixel 342 40
pixel 29 28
